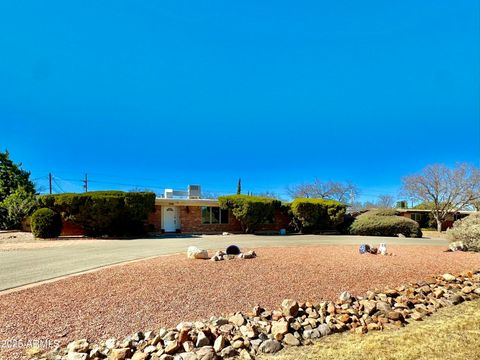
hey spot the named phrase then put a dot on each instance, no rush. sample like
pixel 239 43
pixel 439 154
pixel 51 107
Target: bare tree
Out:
pixel 476 205
pixel 444 189
pixel 385 201
pixel 341 191
pixel 360 206
pixel 210 195
pixel 269 194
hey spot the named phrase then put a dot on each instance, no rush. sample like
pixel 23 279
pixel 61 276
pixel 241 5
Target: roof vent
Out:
pixel 168 193
pixel 194 192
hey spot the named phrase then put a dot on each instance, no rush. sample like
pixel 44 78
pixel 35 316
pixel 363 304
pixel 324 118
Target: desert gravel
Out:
pixel 120 300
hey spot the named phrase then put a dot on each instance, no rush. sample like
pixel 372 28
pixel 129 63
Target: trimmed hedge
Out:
pixel 112 213
pixel 250 211
pixel 466 231
pixel 313 215
pixel 383 223
pixel 46 223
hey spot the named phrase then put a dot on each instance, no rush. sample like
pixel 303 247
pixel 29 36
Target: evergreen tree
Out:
pixel 239 186
pixel 12 177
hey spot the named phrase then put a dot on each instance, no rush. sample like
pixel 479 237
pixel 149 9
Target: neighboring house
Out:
pixel 187 212
pixel 425 219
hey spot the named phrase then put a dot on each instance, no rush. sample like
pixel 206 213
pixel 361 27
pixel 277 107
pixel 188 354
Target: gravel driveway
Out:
pixel 37 260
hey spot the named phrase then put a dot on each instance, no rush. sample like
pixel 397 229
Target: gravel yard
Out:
pixel 144 295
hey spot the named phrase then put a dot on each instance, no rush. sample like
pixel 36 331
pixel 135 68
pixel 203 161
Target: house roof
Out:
pixel 185 202
pixel 466 212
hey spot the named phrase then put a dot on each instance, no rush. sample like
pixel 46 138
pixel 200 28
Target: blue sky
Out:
pixel 163 94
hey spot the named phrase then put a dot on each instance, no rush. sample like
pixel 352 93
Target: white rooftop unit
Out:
pixel 194 192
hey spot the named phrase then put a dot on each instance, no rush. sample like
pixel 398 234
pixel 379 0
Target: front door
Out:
pixel 169 219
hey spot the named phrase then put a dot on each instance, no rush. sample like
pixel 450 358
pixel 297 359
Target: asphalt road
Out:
pixel 27 266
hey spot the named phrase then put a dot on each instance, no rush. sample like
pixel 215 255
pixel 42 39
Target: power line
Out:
pixel 55 181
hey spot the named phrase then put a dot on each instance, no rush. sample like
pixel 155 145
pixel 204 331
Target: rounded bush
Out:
pixel 377 224
pixel 466 231
pixel 46 223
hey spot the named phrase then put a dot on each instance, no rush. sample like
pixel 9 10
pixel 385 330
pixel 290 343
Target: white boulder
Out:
pixel 194 252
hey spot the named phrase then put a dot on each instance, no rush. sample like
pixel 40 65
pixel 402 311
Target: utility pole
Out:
pixel 50 182
pixel 85 183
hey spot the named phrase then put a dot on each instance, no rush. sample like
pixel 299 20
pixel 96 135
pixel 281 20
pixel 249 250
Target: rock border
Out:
pixel 293 324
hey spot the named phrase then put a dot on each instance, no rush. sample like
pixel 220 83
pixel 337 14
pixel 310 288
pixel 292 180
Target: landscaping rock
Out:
pixel 219 321
pixel 77 356
pixel 206 353
pixel 266 331
pixel 290 307
pixel 186 356
pixel 395 316
pixel 417 316
pixel 188 346
pixel 324 330
pixel 248 331
pixel 457 299
pixel 245 355
pixel 219 344
pixel 167 357
pixel 448 277
pixel 139 356
pixel 80 346
pixel 228 352
pixel 345 296
pixel 237 319
pixel 279 328
pixel 120 354
pixel 270 346
pixel 291 340
pixel 194 252
pixel 110 343
pixel 172 347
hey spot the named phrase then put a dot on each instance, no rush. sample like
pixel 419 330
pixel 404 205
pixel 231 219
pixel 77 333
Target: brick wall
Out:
pixel 71 229
pixel 191 222
pixel 155 218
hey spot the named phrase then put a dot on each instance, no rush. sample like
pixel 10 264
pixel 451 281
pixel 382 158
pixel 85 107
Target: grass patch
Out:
pixel 451 333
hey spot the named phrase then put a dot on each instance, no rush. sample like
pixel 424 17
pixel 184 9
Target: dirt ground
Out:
pixel 17 240
pixel 148 294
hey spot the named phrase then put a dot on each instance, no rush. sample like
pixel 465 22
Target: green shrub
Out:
pixel 250 211
pixel 46 223
pixel 466 231
pixel 384 212
pixel 312 215
pixel 16 207
pixel 110 213
pixel 380 223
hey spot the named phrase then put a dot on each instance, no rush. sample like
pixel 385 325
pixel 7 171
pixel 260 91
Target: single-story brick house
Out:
pixel 423 217
pixel 187 212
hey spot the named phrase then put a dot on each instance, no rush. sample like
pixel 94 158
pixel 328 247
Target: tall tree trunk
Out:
pixel 439 225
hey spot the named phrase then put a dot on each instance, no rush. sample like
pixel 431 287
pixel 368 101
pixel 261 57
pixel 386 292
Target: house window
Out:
pixel 417 217
pixel 214 215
